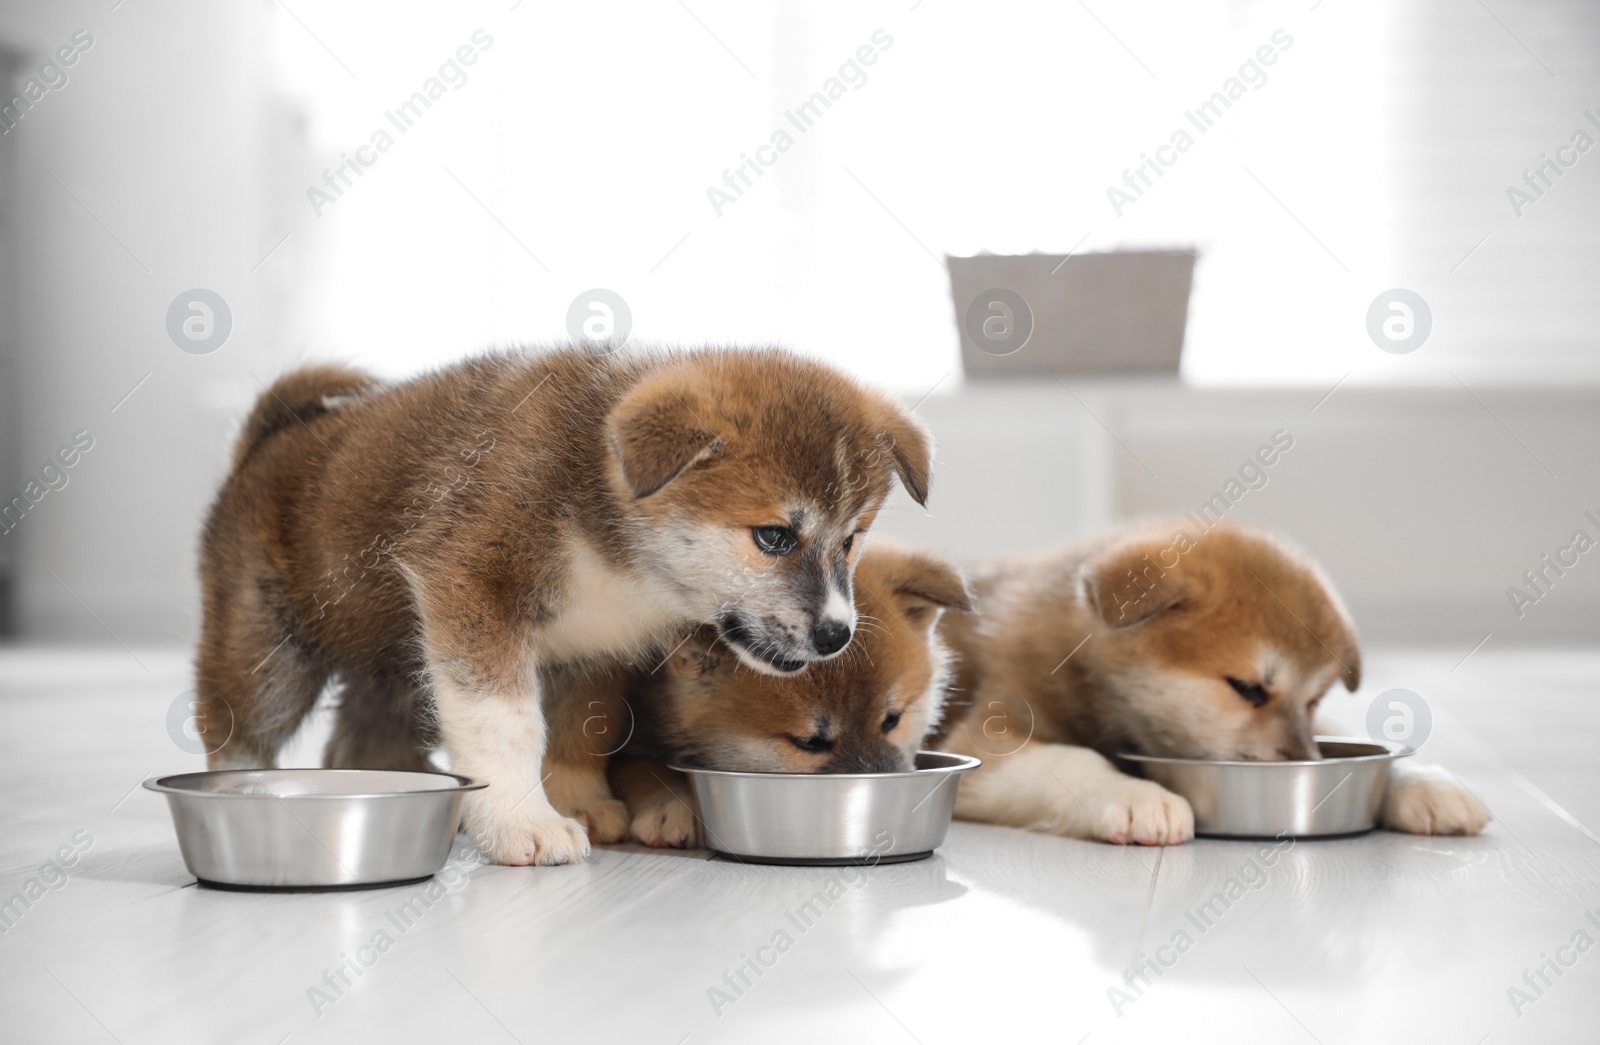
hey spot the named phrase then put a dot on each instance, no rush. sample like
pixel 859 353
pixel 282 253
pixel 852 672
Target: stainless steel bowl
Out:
pixel 1341 794
pixel 830 818
pixel 314 828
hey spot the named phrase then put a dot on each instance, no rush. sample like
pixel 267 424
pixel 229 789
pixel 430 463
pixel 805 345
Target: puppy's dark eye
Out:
pixel 1254 692
pixel 849 542
pixel 774 540
pixel 814 744
pixel 891 720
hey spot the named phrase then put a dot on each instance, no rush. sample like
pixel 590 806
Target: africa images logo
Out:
pixel 851 75
pixel 451 75
pixel 1251 75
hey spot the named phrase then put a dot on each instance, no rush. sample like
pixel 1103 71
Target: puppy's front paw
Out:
pixel 527 840
pixel 1426 800
pixel 606 820
pixel 670 823
pixel 1138 812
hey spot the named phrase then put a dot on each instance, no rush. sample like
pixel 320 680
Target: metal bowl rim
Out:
pixel 163 785
pixel 1392 752
pixel 960 764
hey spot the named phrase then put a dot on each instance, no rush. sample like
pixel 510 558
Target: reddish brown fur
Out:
pixel 1128 643
pixel 702 707
pixel 708 710
pixel 403 537
pixel 1142 603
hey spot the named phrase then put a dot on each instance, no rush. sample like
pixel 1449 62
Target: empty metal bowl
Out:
pixel 1340 795
pixel 830 818
pixel 314 828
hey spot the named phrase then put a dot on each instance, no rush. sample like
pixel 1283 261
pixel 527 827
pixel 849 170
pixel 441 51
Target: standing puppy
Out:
pixel 1160 641
pixel 431 545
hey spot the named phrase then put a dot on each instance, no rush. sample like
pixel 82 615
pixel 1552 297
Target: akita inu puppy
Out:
pixel 1167 641
pixel 432 545
pixel 866 711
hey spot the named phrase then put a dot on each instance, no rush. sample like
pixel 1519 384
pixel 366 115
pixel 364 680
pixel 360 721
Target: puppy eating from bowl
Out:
pixel 1158 640
pixel 432 546
pixel 866 711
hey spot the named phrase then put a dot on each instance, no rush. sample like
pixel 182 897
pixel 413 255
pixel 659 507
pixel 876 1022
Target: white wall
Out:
pixel 177 157
pixel 1423 505
pixel 147 174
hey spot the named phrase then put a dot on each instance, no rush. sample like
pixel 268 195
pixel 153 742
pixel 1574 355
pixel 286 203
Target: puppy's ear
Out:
pixel 910 447
pixel 917 582
pixel 1352 665
pixel 659 431
pixel 1348 648
pixel 1329 619
pixel 1126 586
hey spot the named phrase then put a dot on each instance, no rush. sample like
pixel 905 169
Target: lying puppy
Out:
pixel 432 545
pixel 864 712
pixel 1160 641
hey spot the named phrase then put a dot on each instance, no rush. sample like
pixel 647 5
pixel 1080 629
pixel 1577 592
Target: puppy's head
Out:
pixel 1216 644
pixel 864 712
pixel 752 478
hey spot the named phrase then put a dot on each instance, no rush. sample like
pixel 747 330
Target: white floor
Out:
pixel 1000 935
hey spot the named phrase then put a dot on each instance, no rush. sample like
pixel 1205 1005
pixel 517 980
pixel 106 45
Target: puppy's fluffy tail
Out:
pixel 297 397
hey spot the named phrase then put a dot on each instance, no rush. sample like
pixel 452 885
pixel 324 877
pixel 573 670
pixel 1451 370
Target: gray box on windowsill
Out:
pixel 1034 315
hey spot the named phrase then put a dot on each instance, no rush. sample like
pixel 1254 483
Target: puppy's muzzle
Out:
pixel 738 633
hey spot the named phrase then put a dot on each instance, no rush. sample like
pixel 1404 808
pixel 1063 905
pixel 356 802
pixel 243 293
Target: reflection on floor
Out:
pixel 1382 937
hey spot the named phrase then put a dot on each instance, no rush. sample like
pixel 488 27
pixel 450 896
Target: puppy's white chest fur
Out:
pixel 610 611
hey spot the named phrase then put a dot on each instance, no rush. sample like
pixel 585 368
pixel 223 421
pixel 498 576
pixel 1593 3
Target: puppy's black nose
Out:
pixel 830 636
